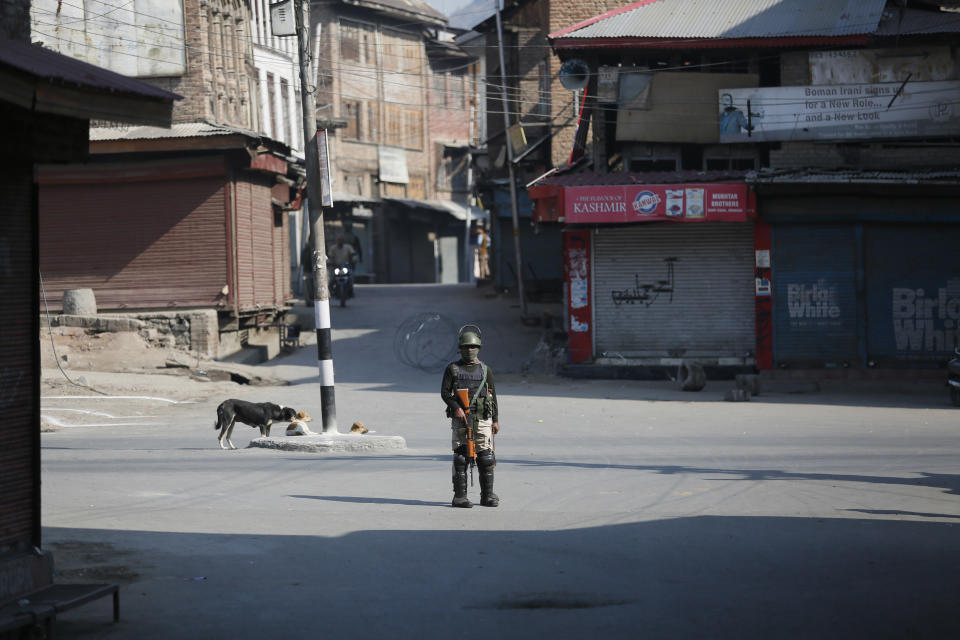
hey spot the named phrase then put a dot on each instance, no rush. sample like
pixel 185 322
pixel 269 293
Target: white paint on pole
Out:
pixel 326 372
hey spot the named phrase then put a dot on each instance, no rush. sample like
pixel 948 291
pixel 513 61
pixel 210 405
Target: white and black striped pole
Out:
pixel 328 403
pixel 321 293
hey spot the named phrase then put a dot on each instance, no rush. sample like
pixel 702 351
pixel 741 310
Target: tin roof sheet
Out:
pixel 416 8
pixel 44 63
pixel 732 19
pixel 180 130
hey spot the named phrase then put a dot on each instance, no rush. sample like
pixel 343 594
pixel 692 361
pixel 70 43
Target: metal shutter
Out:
pixel 814 295
pixel 674 290
pixel 155 244
pixel 19 353
pixel 913 293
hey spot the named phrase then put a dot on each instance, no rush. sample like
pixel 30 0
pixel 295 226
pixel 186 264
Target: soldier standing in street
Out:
pixel 471 374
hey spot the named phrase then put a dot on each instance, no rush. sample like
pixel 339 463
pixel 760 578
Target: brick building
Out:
pixel 374 98
pixel 209 190
pixel 548 114
pixel 755 168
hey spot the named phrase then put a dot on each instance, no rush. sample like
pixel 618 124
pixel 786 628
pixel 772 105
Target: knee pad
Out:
pixel 486 460
pixel 460 459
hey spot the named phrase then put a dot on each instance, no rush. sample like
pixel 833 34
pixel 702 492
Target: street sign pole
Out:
pixel 321 293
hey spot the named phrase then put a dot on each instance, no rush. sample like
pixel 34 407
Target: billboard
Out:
pixel 840 112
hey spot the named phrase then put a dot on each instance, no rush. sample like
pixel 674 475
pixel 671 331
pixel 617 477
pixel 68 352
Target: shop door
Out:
pixel 674 290
pixel 913 293
pixel 815 306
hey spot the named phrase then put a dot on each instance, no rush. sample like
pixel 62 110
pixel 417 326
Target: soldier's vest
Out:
pixel 472 380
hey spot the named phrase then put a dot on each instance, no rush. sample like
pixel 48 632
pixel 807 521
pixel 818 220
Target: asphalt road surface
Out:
pixel 628 509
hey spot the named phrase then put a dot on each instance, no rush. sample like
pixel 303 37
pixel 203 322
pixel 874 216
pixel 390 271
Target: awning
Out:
pixel 454 209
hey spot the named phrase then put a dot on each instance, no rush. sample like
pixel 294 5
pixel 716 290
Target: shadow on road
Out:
pixel 694 577
pixel 368 500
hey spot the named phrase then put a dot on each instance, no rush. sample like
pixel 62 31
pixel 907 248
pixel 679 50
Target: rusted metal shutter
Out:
pixel 280 259
pixel 19 355
pixel 245 272
pixel 263 263
pixel 152 244
pixel 255 244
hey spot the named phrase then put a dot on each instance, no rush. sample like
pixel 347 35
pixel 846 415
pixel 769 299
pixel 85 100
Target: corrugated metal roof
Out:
pixel 732 19
pixel 44 63
pixel 416 8
pixel 181 130
pixel 917 22
pixel 853 176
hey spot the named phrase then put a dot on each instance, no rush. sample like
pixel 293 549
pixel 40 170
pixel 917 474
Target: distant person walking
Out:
pixel 483 252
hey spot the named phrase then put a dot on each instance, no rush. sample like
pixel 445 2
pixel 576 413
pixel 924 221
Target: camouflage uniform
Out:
pixel 478 378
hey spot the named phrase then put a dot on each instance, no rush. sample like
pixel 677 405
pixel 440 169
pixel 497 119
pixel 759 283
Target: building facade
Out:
pixel 380 99
pixel 837 137
pixel 215 188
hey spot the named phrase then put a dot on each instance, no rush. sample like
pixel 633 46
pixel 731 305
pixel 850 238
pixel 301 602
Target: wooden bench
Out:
pixel 43 605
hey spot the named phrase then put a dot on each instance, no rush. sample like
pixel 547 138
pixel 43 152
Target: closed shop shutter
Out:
pixel 257 266
pixel 913 293
pixel 814 295
pixel 152 244
pixel 245 272
pixel 674 290
pixel 19 429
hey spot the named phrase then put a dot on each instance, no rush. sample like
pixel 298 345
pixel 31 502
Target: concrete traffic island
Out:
pixel 332 443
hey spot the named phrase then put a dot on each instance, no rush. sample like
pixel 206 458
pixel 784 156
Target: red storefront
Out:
pixel 660 267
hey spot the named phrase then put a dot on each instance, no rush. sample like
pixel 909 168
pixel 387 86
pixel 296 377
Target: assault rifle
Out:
pixel 464 395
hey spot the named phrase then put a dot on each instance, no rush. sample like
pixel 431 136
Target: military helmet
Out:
pixel 469 336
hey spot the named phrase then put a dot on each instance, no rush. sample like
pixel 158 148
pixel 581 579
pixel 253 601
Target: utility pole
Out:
pixel 513 179
pixel 321 293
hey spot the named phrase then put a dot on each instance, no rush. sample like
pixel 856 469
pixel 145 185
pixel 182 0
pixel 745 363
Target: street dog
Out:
pixel 359 428
pixel 298 426
pixel 256 414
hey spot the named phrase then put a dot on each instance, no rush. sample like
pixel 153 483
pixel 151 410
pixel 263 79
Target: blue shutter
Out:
pixel 814 295
pixel 913 293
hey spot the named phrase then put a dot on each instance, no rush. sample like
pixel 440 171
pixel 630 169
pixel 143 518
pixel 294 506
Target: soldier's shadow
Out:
pixel 369 500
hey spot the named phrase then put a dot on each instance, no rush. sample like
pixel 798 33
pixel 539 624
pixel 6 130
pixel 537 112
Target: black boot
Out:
pixel 460 498
pixel 487 497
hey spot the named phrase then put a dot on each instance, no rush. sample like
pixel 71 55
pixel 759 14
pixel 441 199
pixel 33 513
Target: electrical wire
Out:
pixel 53 345
pixel 515 94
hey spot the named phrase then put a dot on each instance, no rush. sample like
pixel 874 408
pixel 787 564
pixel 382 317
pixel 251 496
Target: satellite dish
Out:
pixel 574 74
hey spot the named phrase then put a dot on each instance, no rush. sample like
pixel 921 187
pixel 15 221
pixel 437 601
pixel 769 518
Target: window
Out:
pixel 393 190
pixel 285 105
pixel 394 125
pixel 417 188
pixel 350 109
pixel 272 105
pixel 413 129
pixel 401 51
pixel 439 90
pixel 373 122
pixel 358 43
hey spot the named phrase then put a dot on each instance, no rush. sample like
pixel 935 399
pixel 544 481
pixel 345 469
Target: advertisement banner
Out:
pixel 722 202
pixel 840 112
pixel 576 268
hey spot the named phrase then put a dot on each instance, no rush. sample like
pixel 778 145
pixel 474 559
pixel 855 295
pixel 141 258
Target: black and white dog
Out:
pixel 255 414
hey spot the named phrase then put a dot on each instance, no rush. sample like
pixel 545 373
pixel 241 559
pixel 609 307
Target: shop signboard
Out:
pixel 719 202
pixel 841 112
